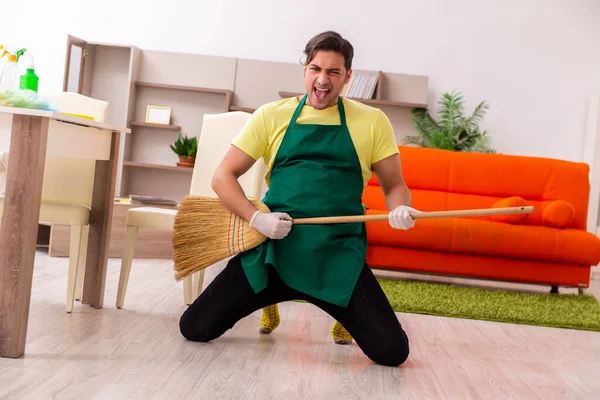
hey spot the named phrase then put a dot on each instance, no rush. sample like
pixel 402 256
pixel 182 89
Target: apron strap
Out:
pixel 342 111
pixel 301 104
pixel 298 109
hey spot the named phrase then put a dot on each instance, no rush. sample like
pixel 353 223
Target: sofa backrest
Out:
pixel 445 180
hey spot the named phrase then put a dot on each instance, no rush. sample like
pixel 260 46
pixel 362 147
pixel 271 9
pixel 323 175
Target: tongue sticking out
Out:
pixel 321 93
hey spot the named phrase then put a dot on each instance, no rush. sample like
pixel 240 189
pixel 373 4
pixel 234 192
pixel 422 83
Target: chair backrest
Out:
pixel 75 103
pixel 70 180
pixel 218 130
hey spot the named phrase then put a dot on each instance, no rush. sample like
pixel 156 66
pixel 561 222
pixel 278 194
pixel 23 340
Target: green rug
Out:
pixel 556 310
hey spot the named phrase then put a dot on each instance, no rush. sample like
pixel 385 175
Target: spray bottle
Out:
pixel 29 80
pixel 20 53
pixel 10 76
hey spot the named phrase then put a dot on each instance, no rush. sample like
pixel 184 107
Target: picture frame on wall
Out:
pixel 158 115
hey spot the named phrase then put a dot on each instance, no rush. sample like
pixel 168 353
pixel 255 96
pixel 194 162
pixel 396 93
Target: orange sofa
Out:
pixel 550 246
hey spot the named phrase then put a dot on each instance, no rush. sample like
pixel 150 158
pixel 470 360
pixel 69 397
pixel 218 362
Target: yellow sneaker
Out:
pixel 270 319
pixel 340 334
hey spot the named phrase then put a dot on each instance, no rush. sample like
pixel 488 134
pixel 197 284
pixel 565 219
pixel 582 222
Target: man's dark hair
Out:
pixel 330 41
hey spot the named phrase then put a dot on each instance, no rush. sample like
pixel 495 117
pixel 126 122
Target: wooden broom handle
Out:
pixel 418 215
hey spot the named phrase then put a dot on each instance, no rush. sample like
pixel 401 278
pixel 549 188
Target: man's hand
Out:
pixel 400 217
pixel 273 225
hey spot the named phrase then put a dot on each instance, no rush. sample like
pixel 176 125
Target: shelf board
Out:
pixel 157 126
pixel 185 88
pixel 245 109
pixel 157 166
pixel 371 102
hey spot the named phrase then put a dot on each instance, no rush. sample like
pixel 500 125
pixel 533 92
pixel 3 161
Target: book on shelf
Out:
pixel 360 86
pixel 136 199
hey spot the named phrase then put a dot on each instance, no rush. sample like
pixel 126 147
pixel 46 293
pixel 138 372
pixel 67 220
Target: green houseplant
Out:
pixel 453 130
pixel 186 148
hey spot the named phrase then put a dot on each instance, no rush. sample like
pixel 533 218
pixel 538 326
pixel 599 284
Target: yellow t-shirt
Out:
pixel 370 130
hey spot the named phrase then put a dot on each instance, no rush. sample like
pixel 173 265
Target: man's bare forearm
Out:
pixel 231 194
pixel 399 195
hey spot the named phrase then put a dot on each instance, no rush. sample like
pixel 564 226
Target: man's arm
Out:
pixel 236 163
pixel 389 174
pixel 225 182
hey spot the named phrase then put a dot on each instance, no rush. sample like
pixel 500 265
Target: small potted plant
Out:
pixel 186 148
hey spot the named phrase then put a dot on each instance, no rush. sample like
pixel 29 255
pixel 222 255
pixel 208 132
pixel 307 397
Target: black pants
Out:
pixel 369 317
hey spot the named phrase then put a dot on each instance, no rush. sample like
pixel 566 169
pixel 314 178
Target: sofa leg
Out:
pixel 554 289
pixel 580 290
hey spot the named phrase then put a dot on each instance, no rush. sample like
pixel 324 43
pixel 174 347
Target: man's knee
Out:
pixel 391 351
pixel 396 355
pixel 393 355
pixel 192 328
pixel 189 330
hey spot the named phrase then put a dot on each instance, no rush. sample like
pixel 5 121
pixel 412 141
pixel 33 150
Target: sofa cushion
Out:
pixel 514 201
pixel 558 214
pixel 490 238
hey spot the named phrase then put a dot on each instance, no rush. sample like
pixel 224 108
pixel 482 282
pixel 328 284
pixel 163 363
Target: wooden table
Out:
pixel 29 136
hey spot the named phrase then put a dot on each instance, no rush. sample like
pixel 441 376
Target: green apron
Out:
pixel 316 173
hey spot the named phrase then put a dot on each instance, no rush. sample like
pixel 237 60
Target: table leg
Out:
pixel 103 199
pixel 18 236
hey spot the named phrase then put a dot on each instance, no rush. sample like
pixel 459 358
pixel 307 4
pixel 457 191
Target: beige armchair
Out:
pixel 217 132
pixel 67 190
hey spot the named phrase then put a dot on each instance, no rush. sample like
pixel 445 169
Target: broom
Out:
pixel 205 231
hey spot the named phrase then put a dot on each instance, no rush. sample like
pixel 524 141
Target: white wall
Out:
pixel 535 61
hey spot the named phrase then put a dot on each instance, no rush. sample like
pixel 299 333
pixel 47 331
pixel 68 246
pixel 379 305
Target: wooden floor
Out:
pixel 138 352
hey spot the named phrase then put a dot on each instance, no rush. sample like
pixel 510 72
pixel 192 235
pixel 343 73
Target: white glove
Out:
pixel 400 218
pixel 273 225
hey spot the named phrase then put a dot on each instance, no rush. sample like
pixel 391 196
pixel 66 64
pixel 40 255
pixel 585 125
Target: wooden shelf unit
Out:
pixel 148 159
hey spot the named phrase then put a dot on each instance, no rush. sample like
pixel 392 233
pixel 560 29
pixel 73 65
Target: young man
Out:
pixel 320 150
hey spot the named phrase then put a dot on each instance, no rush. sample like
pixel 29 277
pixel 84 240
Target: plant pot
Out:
pixel 186 161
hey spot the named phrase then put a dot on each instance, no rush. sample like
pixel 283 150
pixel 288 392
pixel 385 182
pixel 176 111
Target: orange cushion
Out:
pixel 431 200
pixel 558 214
pixel 514 201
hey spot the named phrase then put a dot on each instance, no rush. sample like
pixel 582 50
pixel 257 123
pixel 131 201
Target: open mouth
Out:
pixel 321 93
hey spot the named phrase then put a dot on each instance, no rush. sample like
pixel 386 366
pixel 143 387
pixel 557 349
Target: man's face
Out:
pixel 324 78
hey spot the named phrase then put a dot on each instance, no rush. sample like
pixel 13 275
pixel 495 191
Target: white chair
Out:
pixel 67 190
pixel 217 132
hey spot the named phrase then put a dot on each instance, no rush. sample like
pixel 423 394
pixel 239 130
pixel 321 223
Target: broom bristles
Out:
pixel 206 232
